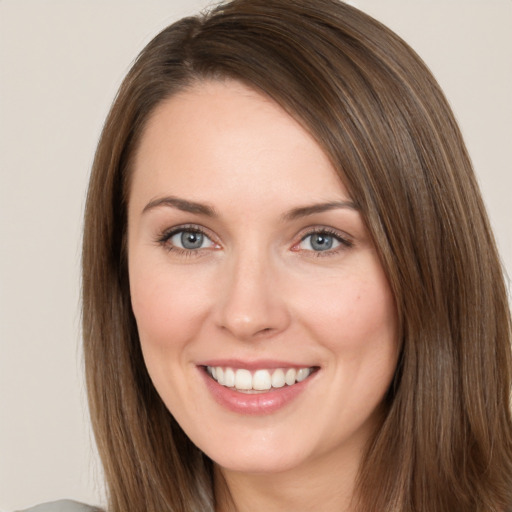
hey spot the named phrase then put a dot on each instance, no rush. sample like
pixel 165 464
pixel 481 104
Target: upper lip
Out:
pixel 269 364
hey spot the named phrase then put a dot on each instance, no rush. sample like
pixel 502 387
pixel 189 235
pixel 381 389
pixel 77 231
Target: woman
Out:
pixel 291 294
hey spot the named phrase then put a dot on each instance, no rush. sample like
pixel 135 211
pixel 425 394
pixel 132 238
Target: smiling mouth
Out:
pixel 258 381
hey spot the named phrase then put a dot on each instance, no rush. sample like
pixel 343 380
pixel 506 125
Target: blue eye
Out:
pixel 322 241
pixel 190 240
pixel 185 240
pixel 319 242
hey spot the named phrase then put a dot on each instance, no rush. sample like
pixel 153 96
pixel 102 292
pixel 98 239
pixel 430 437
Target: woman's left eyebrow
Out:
pixel 304 211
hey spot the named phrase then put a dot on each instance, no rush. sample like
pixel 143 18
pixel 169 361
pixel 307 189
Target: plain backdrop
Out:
pixel 60 65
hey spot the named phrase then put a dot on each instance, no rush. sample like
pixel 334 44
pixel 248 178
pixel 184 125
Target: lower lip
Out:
pixel 265 402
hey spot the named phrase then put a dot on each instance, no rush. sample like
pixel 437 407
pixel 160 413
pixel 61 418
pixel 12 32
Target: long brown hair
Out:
pixel 445 440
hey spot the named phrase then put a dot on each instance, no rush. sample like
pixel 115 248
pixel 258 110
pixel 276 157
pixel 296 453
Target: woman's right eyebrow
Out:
pixel 181 204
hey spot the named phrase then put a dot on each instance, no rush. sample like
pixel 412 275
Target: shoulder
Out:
pixel 62 506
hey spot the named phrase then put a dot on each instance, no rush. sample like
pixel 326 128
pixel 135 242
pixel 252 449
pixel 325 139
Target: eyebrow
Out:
pixel 304 211
pixel 181 204
pixel 207 210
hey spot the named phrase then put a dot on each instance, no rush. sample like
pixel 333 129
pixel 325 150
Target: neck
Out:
pixel 322 484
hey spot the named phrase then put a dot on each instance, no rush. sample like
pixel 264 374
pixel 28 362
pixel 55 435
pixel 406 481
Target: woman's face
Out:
pixel 265 318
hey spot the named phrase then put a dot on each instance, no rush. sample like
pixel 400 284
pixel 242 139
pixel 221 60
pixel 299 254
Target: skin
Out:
pixel 256 289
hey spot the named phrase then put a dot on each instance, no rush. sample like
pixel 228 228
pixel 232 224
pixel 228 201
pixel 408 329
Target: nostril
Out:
pixel 266 330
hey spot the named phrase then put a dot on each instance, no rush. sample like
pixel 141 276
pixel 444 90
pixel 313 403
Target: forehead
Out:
pixel 220 140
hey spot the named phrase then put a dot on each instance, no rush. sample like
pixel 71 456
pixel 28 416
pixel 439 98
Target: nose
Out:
pixel 250 305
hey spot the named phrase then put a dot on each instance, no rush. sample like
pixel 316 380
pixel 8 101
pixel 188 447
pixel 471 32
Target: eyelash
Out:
pixel 344 242
pixel 164 238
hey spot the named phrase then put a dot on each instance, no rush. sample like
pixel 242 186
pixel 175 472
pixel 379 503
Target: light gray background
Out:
pixel 60 65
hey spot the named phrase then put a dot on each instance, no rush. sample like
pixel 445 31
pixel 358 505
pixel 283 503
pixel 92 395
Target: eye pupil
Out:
pixel 191 240
pixel 321 242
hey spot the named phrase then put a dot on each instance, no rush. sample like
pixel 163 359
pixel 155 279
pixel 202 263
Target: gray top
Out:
pixel 62 506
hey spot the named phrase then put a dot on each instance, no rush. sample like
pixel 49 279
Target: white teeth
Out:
pixel 243 379
pixel 278 380
pixel 229 378
pixel 302 374
pixel 290 376
pixel 261 380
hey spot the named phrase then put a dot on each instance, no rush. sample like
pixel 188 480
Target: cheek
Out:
pixel 168 306
pixel 354 314
pixel 356 321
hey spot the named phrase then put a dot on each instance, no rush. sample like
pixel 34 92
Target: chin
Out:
pixel 250 464
pixel 262 452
